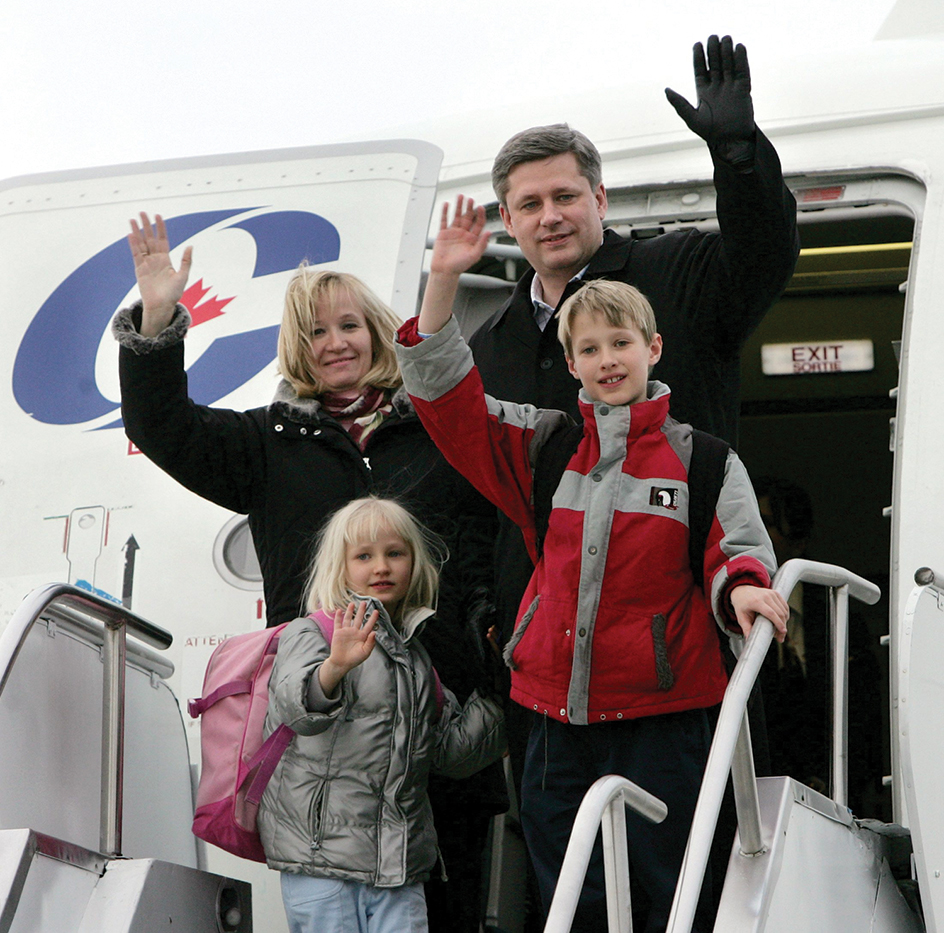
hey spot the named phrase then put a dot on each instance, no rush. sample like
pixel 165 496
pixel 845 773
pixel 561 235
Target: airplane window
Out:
pixel 235 557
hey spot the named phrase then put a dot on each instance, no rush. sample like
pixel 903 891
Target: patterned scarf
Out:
pixel 359 415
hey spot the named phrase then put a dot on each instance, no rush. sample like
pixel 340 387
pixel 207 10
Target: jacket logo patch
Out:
pixel 664 497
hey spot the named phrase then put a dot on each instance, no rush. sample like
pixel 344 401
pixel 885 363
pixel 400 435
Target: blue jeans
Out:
pixel 326 905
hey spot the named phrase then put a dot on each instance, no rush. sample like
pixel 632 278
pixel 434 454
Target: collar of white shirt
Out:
pixel 543 312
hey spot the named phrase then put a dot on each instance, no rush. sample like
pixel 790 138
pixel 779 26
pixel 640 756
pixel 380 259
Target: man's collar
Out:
pixel 612 254
pixel 610 257
pixel 537 289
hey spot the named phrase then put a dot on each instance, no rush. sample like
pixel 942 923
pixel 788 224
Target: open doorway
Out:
pixel 828 433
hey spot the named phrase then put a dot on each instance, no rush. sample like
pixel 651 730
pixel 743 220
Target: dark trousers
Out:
pixel 665 755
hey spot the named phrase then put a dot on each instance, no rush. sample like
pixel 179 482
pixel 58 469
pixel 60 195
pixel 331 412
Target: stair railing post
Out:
pixel 114 651
pixel 839 649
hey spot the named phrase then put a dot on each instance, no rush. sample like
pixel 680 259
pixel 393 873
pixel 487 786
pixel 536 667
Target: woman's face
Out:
pixel 341 350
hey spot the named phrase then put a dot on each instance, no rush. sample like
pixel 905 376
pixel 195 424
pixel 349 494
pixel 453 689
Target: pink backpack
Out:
pixel 237 763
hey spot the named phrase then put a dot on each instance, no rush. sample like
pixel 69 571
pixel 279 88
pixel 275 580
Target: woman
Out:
pixel 340 428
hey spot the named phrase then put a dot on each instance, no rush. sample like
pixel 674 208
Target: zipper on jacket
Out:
pixel 316 816
pixel 347 437
pixel 410 735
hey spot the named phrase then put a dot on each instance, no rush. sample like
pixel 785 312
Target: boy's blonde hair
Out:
pixel 621 305
pixel 365 520
pixel 307 292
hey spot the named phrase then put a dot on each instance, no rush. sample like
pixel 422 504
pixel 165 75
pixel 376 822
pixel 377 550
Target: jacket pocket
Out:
pixel 316 814
pixel 631 653
pixel 664 675
pixel 518 633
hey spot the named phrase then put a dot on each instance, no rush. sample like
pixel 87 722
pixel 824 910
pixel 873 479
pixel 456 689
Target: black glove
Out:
pixel 481 620
pixel 725 115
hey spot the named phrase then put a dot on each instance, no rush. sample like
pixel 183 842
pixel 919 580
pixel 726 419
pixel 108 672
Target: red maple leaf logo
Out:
pixel 200 313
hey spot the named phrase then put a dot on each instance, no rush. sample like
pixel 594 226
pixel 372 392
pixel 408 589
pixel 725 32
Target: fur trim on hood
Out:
pixel 308 410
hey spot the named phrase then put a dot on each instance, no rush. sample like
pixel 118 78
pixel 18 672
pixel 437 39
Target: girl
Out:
pixel 345 817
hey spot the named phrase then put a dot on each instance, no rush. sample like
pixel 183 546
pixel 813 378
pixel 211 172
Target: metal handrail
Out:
pixel 925 576
pixel 84 611
pixel 603 804
pixel 730 749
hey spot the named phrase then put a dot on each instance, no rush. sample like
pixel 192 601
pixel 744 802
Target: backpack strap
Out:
pixel 199 706
pixel 326 626
pixel 548 472
pixel 327 629
pixel 705 479
pixel 268 756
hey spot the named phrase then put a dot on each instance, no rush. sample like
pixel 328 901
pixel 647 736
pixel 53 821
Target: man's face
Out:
pixel 554 214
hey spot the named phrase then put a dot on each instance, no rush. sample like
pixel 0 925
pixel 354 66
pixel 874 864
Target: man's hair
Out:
pixel 542 142
pixel 620 305
pixel 364 520
pixel 308 292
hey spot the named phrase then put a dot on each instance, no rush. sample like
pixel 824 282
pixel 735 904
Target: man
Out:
pixel 709 291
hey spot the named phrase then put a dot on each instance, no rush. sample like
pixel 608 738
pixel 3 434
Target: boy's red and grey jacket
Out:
pixel 612 625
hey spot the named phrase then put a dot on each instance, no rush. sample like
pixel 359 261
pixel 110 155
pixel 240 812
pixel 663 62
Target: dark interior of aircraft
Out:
pixel 830 432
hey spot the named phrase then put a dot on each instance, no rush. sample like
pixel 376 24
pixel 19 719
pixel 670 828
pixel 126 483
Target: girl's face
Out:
pixel 341 350
pixel 380 568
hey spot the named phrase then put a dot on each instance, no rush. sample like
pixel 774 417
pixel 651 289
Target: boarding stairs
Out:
pixel 96 795
pixel 801 862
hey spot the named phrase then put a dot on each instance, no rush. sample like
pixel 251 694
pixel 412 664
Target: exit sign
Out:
pixel 815 358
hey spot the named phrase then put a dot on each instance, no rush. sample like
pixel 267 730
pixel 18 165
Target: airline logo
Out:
pixel 54 371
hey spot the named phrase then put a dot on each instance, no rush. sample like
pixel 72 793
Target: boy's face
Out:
pixel 612 363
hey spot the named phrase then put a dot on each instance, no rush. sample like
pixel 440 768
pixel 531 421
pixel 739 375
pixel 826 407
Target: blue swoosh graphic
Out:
pixel 54 370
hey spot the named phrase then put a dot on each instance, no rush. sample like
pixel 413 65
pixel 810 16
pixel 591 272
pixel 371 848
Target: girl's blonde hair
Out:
pixel 619 304
pixel 365 520
pixel 307 292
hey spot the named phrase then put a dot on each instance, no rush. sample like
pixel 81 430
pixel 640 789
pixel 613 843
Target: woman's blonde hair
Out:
pixel 365 520
pixel 620 305
pixel 307 292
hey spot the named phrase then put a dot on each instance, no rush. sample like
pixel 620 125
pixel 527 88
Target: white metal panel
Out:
pixel 921 727
pixel 801 92
pixel 53 898
pixel 50 751
pixel 146 896
pixel 820 872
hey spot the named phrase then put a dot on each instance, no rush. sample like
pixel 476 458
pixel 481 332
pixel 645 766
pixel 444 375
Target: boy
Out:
pixel 613 633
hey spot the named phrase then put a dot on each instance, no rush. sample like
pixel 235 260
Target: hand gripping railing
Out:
pixel 85 612
pixel 604 803
pixel 731 747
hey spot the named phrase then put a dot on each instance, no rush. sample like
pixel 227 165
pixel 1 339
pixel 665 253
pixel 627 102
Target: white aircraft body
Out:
pixel 843 393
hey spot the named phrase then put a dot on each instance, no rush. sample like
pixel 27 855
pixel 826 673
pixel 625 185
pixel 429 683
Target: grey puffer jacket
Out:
pixel 348 799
